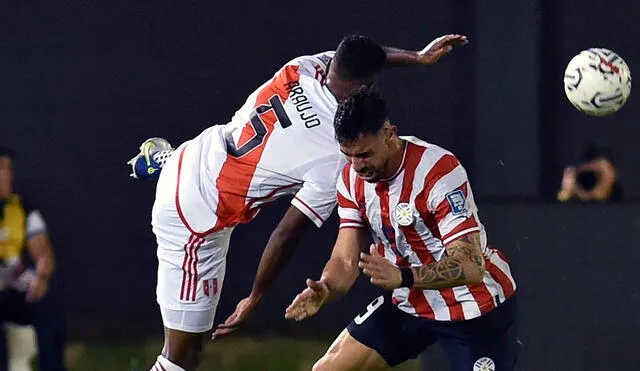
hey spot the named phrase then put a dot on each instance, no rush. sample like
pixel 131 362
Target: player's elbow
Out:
pixel 340 274
pixel 290 229
pixel 476 277
pixel 475 269
pixel 285 238
pixel 349 270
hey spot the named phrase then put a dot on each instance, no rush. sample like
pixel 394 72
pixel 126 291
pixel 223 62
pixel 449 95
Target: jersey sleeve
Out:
pixel 35 222
pixel 317 197
pixel 348 210
pixel 450 200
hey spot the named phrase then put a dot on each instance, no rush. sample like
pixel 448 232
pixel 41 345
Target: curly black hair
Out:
pixel 360 113
pixel 358 58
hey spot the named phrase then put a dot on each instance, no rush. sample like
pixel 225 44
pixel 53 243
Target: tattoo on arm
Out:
pixel 464 264
pixel 446 273
pixel 468 247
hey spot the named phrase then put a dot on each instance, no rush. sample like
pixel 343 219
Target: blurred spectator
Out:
pixel 26 265
pixel 593 178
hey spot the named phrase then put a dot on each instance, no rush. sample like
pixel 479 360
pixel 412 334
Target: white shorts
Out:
pixel 191 264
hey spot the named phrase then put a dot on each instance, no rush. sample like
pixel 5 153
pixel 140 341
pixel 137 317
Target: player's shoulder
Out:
pixel 312 63
pixel 430 149
pixel 322 58
pixel 435 160
pixel 347 175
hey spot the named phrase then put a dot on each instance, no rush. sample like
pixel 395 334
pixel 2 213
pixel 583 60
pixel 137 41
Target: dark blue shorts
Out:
pixel 488 341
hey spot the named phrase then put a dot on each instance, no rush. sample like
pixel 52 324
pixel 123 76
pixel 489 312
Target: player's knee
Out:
pixel 328 362
pixel 321 365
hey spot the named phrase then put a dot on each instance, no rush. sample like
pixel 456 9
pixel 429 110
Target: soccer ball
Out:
pixel 597 81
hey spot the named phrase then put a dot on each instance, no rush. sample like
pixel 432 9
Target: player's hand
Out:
pixel 568 186
pixel 569 179
pixel 37 289
pixel 308 302
pixel 244 308
pixel 439 47
pixel 382 272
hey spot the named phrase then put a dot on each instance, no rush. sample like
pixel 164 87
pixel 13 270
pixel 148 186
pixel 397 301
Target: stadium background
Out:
pixel 83 82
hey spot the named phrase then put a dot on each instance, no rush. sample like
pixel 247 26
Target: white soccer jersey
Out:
pixel 281 142
pixel 412 216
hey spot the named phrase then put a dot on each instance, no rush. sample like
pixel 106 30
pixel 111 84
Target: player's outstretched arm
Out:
pixel 338 275
pixel 279 250
pixel 430 54
pixel 464 265
pixel 341 270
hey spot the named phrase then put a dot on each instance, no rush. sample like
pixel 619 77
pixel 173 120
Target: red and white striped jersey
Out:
pixel 280 142
pixel 412 216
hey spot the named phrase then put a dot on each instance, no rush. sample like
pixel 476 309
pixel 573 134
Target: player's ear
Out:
pixel 389 131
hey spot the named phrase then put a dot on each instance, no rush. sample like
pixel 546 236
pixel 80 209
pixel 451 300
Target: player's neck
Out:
pixel 337 90
pixel 396 160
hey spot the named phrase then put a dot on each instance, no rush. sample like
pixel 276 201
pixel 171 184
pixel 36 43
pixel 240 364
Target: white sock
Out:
pixel 161 157
pixel 163 364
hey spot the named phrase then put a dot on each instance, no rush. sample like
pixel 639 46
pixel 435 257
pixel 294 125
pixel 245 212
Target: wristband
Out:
pixel 407 277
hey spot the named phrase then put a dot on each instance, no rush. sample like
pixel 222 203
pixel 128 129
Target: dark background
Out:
pixel 82 83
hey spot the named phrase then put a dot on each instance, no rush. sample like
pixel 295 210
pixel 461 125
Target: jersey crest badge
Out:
pixel 404 214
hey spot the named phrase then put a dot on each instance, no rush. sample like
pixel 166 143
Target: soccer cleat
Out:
pixel 147 164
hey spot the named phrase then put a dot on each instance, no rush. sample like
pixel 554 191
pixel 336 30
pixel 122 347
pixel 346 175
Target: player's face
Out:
pixel 6 176
pixel 369 155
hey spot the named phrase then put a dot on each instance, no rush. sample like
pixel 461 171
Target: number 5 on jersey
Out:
pixel 259 127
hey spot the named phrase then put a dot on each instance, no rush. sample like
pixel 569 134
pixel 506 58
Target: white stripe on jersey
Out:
pixel 372 203
pixel 494 288
pixel 460 234
pixel 452 180
pixel 429 159
pixel 394 196
pixel 401 241
pixel 342 190
pixel 504 267
pixel 401 293
pixel 349 217
pixel 436 301
pixel 352 225
pixel 470 307
pixel 433 244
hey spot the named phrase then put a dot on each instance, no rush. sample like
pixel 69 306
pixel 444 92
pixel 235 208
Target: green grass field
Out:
pixel 234 354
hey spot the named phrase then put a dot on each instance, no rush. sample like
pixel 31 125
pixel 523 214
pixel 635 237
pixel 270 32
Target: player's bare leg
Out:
pixel 348 354
pixel 181 351
pixel 183 348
